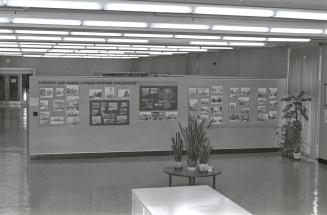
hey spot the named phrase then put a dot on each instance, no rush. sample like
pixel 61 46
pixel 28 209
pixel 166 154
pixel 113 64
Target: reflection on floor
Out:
pixel 261 183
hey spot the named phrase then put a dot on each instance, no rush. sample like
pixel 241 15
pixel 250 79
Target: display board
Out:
pixel 97 114
pixel 109 112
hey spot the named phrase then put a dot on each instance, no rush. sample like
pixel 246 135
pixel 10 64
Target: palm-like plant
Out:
pixel 177 146
pixel 292 113
pixel 204 153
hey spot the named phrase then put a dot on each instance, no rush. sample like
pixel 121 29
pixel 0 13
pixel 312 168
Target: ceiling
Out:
pixel 133 29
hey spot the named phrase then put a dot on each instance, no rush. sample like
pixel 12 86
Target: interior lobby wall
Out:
pixel 69 67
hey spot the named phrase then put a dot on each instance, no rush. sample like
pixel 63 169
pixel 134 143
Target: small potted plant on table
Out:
pixel 204 154
pixel 177 149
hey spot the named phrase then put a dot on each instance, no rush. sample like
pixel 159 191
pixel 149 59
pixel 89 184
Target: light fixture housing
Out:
pixel 7 37
pixel 121 24
pixel 301 15
pixel 43 38
pixel 209 43
pixel 149 35
pixel 42 21
pixel 84 39
pixel 200 37
pixel 247 44
pixel 272 39
pixel 90 33
pixel 4 20
pixel 41 32
pixel 244 38
pixel 6 31
pixel 127 41
pixel 297 30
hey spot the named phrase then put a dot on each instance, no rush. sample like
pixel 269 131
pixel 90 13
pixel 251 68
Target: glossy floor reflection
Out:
pixel 261 183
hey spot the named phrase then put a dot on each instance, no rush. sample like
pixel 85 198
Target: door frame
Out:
pixel 19 72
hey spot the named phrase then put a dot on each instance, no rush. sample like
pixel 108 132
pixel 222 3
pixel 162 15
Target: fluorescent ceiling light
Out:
pixel 38 38
pixel 163 49
pixel 9 50
pixel 149 35
pixel 245 38
pixel 116 24
pixel 61 50
pixel 68 47
pixel 209 43
pixel 297 30
pixel 148 7
pixel 233 11
pixel 7 37
pixel 84 39
pixel 4 20
pixel 11 53
pixel 193 50
pixel 105 34
pixel 9 45
pixel 246 44
pixel 288 40
pixel 55 4
pixel 216 47
pixel 35 50
pixel 301 15
pixel 101 47
pixel 46 21
pixel 131 48
pixel 201 37
pixel 149 46
pixel 86 51
pixel 184 47
pixel 32 55
pixel 74 44
pixel 127 41
pixel 115 45
pixel 41 32
pixel 180 26
pixel 6 31
pixel 35 43
pixel 239 28
pixel 35 46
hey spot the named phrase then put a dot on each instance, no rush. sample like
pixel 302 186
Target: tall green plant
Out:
pixel 293 112
pixel 204 153
pixel 177 146
pixel 194 135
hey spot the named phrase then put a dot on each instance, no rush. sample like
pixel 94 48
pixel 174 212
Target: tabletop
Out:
pixel 194 174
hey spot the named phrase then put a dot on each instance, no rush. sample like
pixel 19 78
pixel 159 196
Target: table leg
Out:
pixel 214 182
pixel 189 181
pixel 193 181
pixel 169 180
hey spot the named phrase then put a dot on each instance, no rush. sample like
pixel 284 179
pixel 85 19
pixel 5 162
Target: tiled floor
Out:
pixel 261 183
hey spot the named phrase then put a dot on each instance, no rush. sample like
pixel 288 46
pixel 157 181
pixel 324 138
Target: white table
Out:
pixel 189 200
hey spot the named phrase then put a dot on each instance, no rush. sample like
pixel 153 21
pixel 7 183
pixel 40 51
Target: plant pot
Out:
pixel 203 167
pixel 296 155
pixel 191 165
pixel 178 165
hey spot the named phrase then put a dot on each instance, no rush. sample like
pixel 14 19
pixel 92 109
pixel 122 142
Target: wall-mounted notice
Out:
pixel 109 112
pixel 156 98
pixel 267 104
pixel 72 101
pixel 157 115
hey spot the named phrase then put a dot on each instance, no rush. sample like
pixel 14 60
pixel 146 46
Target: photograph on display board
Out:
pixel 72 90
pixel 73 101
pixel 72 111
pixel 171 115
pixel 124 93
pixel 272 93
pixel 217 110
pixel 144 116
pixel 158 116
pixel 262 92
pixel 58 105
pixel 273 103
pixel 192 92
pixel 44 118
pixel 205 101
pixel 192 104
pixel 272 115
pixel 217 120
pixel 204 110
pixel 95 93
pixel 216 99
pixel 234 117
pixel 158 98
pixel 57 120
pixel 44 104
pixel 109 92
pixel 217 89
pixel 244 101
pixel 261 101
pixel 261 109
pixel 245 91
pixel 46 93
pixel 245 115
pixel 203 92
pixel 60 92
pixel 262 117
pixel 232 106
pixel 73 121
pixel 234 92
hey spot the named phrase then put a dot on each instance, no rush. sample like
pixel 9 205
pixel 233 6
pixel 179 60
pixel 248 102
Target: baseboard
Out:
pixel 322 161
pixel 140 153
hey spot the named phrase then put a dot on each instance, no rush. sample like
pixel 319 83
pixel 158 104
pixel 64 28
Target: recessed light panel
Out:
pixel 239 28
pixel 233 11
pixel 121 24
pixel 148 7
pixel 55 4
pixel 40 21
pixel 180 26
pixel 297 30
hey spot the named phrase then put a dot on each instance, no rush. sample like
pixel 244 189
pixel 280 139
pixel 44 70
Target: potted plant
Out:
pixel 204 154
pixel 293 112
pixel 194 136
pixel 177 149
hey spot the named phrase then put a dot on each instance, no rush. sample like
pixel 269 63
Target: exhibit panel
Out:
pixel 71 115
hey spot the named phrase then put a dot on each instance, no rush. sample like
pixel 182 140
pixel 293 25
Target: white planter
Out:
pixel 191 165
pixel 178 165
pixel 203 167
